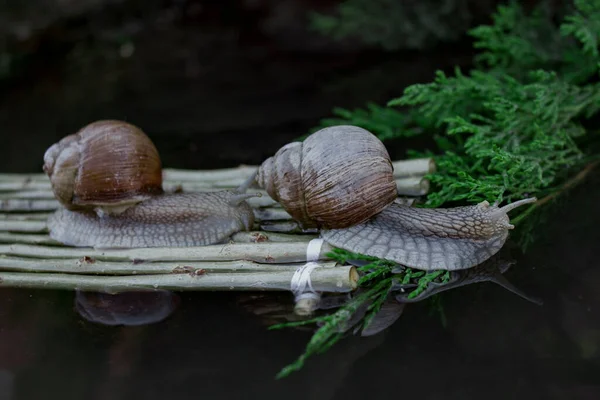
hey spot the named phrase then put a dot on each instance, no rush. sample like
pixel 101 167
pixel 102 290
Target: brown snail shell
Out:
pixel 430 239
pixel 106 163
pixel 337 177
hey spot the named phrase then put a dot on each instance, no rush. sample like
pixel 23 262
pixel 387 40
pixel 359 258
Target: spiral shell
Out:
pixel 337 177
pixel 106 163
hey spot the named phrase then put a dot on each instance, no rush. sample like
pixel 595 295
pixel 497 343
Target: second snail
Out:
pixel 340 180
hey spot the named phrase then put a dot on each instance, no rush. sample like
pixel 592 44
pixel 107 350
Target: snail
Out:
pixel 340 180
pixel 107 178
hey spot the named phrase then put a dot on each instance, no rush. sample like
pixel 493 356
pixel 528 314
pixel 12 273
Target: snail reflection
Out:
pixel 490 271
pixel 275 309
pixel 127 308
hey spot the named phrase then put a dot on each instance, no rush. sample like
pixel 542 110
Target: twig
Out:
pixel 412 186
pixel 578 178
pixel 28 205
pixel 90 266
pixel 569 184
pixel 23 226
pixel 23 238
pixel 267 252
pixel 414 167
pixel 326 279
pixel 28 216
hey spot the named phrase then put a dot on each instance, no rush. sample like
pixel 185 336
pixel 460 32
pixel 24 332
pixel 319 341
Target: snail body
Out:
pixel 430 239
pixel 108 180
pixel 167 220
pixel 337 177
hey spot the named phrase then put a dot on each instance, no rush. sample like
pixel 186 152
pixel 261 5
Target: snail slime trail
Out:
pixel 108 180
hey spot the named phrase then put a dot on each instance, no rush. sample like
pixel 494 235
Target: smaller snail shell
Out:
pixel 337 177
pixel 106 163
pixel 430 239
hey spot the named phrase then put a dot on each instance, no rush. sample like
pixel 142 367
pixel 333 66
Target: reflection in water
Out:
pixel 128 308
pixel 493 346
pixel 277 308
pixel 388 314
pixel 491 270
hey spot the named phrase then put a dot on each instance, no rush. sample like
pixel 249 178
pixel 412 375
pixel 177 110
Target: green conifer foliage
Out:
pixel 515 126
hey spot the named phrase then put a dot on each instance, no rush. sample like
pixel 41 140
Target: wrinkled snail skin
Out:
pixel 337 177
pixel 430 239
pixel 173 220
pixel 108 180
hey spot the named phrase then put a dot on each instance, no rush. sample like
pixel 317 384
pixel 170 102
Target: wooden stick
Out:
pixel 326 279
pixel 23 226
pixel 25 184
pixel 261 236
pixel 28 205
pixel 27 194
pixel 23 238
pixel 267 252
pixel 30 216
pixel 414 167
pixel 90 266
pixel 224 174
pixel 412 186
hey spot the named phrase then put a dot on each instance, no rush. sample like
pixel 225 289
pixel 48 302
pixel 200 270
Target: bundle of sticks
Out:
pixel 267 257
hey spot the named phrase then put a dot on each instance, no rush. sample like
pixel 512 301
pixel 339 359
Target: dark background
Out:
pixel 217 84
pixel 213 83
